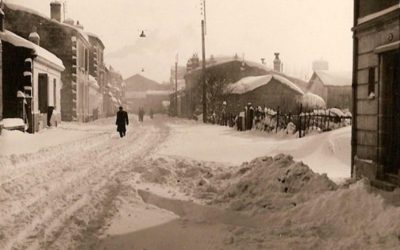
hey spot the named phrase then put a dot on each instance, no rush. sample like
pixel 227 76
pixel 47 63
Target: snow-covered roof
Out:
pixel 250 83
pixel 331 78
pixel 312 100
pixel 227 59
pixel 90 34
pixel 17 7
pixel 42 53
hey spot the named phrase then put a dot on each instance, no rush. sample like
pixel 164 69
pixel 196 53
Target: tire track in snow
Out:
pixel 46 219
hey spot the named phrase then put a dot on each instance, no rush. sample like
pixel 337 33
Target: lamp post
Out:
pixel 203 77
pixel 176 85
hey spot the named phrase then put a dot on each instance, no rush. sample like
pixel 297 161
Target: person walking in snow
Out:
pixel 122 121
pixel 151 113
pixel 141 114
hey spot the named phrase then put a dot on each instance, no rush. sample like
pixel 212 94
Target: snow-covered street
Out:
pixel 83 187
pixel 46 195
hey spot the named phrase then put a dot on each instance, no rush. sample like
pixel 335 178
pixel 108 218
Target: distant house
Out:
pixel 67 40
pixel 177 82
pixel 271 90
pixel 144 92
pixel 154 100
pixel 220 71
pixel 31 81
pixel 114 91
pixel 333 87
pixel 98 72
pixel 376 91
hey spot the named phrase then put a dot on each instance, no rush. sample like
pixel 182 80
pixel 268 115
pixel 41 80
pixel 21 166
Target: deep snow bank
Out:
pixel 274 184
pixel 305 210
pixel 324 153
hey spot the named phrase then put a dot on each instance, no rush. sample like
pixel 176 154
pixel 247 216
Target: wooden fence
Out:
pixel 302 123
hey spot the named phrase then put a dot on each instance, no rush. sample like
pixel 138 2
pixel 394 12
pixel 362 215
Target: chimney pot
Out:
pixel 55 10
pixel 79 25
pixel 277 63
pixel 34 36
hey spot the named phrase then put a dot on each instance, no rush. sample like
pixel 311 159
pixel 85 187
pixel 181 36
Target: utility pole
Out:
pixel 176 85
pixel 203 21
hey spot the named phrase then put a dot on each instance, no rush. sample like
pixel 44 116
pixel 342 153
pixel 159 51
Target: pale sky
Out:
pixel 301 30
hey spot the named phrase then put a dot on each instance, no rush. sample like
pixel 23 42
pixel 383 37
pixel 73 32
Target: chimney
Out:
pixel 55 10
pixel 277 63
pixel 2 20
pixel 78 25
pixel 34 36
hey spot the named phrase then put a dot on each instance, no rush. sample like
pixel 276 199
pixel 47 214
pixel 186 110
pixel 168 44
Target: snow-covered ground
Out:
pixel 17 142
pixel 324 153
pixel 80 186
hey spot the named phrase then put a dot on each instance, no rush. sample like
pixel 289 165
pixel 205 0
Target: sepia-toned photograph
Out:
pixel 199 124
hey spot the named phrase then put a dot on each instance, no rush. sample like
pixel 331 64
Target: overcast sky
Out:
pixel 301 30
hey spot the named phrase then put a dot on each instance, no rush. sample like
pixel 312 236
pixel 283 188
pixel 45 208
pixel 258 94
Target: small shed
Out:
pixel 269 90
pixel 333 87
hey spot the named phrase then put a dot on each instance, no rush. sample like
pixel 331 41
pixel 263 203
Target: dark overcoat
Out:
pixel 122 121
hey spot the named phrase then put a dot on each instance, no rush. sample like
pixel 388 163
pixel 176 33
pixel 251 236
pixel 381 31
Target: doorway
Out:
pixel 390 99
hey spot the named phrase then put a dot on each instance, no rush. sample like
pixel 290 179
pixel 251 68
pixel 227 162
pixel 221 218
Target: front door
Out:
pixel 390 80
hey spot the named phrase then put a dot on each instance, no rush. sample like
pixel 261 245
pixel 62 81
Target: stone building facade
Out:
pixel 67 41
pixel 376 91
pixel 32 81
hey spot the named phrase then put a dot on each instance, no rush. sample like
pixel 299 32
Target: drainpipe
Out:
pixel 354 87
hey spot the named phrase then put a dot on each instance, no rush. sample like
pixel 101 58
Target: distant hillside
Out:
pixel 140 83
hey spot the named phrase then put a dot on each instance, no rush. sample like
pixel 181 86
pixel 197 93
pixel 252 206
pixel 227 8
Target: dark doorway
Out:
pixel 390 80
pixel 43 93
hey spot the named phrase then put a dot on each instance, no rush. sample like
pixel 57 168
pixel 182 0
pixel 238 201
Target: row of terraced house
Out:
pixel 52 70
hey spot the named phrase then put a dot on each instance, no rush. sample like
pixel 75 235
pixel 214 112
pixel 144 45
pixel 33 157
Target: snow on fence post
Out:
pixel 301 107
pixel 329 117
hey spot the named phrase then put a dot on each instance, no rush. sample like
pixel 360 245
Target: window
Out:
pixel 42 88
pixel 371 82
pixel 86 60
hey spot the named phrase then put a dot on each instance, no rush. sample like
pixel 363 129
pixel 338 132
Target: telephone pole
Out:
pixel 203 67
pixel 176 85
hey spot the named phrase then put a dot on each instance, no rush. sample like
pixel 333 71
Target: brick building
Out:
pixel 376 91
pixel 114 91
pixel 220 71
pixel 68 42
pixel 97 77
pixel 31 80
